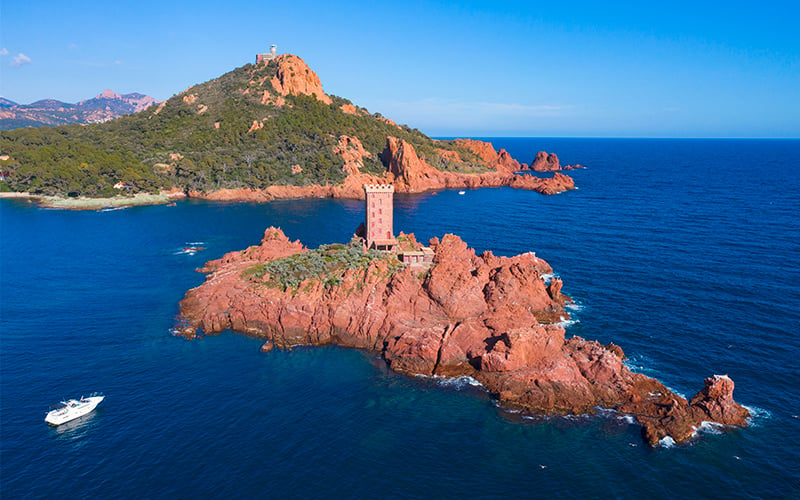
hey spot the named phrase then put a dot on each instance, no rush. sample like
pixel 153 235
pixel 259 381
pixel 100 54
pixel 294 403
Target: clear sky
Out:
pixel 604 69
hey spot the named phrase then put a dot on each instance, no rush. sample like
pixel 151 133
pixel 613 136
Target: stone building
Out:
pixel 272 54
pixel 378 224
pixel 421 257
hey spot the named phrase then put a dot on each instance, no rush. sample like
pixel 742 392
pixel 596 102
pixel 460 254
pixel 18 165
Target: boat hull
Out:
pixel 74 408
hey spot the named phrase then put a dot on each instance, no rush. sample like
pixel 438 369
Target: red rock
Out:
pixel 523 348
pixel 296 78
pixel 505 163
pixel 405 169
pixel 353 154
pixel 485 316
pixel 410 174
pixel 484 150
pixel 545 162
pixel 716 401
pixel 554 291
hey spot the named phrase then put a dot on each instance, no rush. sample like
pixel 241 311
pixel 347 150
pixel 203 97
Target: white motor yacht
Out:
pixel 73 408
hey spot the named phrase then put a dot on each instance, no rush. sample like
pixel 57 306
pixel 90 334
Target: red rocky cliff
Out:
pixel 406 170
pixel 488 317
pixel 296 78
pixel 411 174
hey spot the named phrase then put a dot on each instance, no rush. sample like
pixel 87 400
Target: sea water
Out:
pixel 683 252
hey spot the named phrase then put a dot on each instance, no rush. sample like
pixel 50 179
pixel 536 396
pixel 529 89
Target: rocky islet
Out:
pixel 488 317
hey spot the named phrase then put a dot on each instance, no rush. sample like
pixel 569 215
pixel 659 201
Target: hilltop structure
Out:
pixel 272 54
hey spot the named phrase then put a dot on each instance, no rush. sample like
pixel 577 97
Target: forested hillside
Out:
pixel 256 126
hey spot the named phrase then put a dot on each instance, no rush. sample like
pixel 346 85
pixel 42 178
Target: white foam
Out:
pixel 572 306
pixel 564 323
pixel 612 413
pixel 757 415
pixel 547 277
pixel 461 382
pixel 707 427
pixel 193 243
pixel 666 442
pixel 676 392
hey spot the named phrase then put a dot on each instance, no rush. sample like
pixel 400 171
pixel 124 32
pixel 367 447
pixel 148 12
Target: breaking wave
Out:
pixel 666 442
pixel 458 383
pixel 758 415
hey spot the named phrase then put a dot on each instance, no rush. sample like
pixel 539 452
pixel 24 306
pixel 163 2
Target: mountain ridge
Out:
pixel 51 112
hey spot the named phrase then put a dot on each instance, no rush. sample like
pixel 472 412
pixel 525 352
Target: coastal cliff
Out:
pixel 488 317
pixel 406 171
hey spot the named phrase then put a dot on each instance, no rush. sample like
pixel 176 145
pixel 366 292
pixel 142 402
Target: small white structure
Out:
pixel 273 53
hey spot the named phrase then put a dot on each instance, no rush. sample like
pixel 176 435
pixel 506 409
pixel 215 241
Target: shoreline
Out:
pixel 404 169
pixel 350 189
pixel 83 203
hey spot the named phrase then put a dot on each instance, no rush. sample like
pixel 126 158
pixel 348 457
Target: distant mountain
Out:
pixel 123 104
pixel 49 112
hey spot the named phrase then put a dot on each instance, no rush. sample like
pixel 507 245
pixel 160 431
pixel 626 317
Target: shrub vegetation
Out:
pixel 201 140
pixel 326 264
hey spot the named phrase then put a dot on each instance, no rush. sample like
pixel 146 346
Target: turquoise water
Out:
pixel 685 253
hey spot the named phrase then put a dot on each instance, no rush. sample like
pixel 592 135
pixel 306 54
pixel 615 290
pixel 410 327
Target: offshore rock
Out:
pixel 545 162
pixel 488 317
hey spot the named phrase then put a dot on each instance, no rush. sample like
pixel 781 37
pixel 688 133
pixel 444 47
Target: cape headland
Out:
pixel 442 310
pixel 260 132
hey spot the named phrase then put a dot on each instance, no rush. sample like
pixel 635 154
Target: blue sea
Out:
pixel 684 252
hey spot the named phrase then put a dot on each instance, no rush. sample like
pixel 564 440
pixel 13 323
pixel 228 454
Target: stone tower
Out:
pixel 378 224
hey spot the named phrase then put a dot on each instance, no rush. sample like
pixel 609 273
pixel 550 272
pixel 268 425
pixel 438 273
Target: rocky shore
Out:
pixel 491 318
pixel 405 170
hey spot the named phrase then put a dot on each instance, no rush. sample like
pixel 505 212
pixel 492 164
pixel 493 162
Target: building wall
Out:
pixel 380 208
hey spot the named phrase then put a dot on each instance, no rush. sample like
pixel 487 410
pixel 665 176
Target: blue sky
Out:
pixel 598 69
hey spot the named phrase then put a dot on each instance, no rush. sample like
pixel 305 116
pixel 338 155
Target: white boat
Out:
pixel 461 192
pixel 73 408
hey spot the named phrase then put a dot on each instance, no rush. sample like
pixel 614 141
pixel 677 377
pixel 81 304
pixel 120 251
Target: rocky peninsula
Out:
pixel 458 313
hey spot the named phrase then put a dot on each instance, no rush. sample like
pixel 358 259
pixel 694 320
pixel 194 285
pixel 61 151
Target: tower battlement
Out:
pixel 378 188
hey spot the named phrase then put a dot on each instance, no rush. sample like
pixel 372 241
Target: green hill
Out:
pixel 247 128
